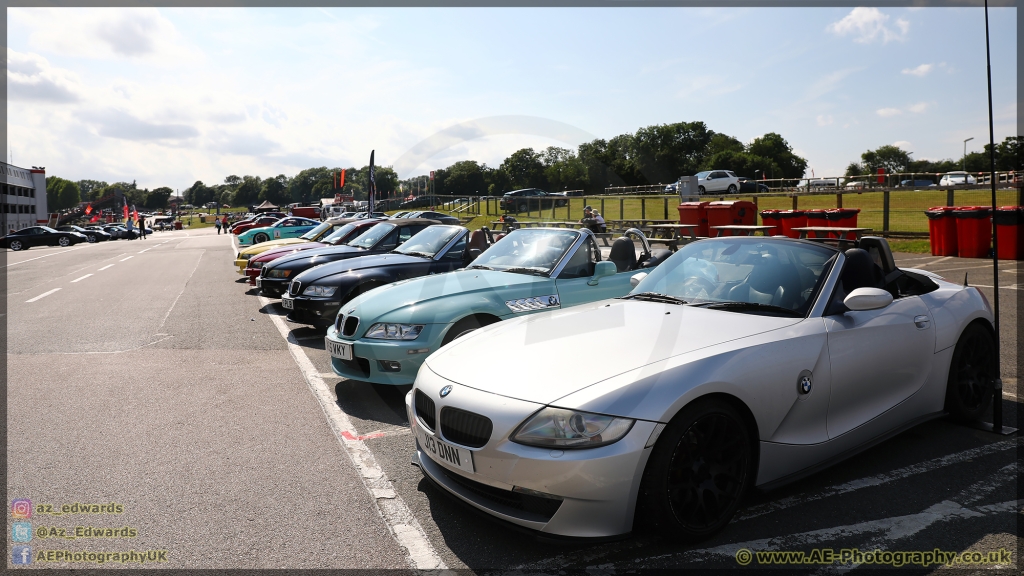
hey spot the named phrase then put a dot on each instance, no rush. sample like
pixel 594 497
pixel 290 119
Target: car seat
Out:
pixel 623 254
pixel 769 282
pixel 477 240
pixel 860 271
pixel 657 257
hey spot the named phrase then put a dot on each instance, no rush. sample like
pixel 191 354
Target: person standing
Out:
pixel 216 222
pixel 131 229
pixel 224 223
pixel 142 227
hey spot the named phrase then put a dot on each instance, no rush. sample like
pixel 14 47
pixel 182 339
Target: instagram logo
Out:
pixel 21 508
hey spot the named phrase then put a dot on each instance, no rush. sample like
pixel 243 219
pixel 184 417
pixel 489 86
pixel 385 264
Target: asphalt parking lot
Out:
pixel 154 377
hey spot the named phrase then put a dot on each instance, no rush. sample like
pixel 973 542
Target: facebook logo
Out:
pixel 21 555
pixel 21 532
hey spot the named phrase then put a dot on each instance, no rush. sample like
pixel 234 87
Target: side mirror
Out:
pixel 636 278
pixel 601 270
pixel 868 299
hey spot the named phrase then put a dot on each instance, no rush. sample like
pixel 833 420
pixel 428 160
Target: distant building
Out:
pixel 24 197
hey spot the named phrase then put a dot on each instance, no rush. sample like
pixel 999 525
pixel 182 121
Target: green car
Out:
pixel 384 335
pixel 291 227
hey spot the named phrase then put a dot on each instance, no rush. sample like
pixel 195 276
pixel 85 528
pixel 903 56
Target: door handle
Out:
pixel 921 322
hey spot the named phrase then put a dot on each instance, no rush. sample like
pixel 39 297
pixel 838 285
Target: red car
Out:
pixel 348 232
pixel 257 223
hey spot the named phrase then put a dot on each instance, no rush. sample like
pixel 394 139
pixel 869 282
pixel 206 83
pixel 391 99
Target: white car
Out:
pixel 717 181
pixel 957 178
pixel 736 363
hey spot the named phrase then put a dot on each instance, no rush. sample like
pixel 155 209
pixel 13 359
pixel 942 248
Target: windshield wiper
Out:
pixel 751 306
pixel 654 297
pixel 411 253
pixel 528 270
pixel 478 267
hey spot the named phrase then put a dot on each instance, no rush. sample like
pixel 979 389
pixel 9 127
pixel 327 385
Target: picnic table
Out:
pixel 742 230
pixel 671 234
pixel 826 232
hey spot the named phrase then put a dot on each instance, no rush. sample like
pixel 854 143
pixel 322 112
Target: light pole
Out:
pixel 965 157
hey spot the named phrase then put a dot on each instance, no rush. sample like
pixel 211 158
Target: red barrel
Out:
pixel 177 224
pixel 695 213
pixel 973 231
pixel 942 230
pixel 817 218
pixel 843 218
pixel 771 218
pixel 729 213
pixel 1009 222
pixel 792 219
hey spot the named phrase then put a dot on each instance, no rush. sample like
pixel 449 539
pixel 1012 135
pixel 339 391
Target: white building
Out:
pixel 24 197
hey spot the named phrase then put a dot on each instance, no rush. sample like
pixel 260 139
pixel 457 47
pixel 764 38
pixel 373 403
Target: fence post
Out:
pixel 839 200
pixel 795 201
pixel 885 212
pixel 622 213
pixel 602 206
pixel 949 198
pixel 666 207
pixel 643 208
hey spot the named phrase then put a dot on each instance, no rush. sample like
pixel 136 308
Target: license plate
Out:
pixel 341 350
pixel 441 451
pixel 259 282
pixel 288 303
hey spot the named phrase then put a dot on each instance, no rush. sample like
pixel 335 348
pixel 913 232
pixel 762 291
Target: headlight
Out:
pixel 394 331
pixel 279 273
pixel 245 256
pixel 320 290
pixel 561 428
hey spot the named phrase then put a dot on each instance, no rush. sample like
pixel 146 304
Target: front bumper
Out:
pixel 273 287
pixel 313 311
pixel 242 264
pixel 597 487
pixel 368 353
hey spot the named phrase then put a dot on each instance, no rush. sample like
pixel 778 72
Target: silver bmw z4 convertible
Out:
pixel 737 363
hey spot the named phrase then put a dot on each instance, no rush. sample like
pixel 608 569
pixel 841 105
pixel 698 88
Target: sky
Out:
pixel 169 96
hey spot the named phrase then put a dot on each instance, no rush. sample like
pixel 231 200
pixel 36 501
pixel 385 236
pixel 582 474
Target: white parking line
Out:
pixel 397 515
pixel 1010 287
pixel 82 278
pixel 128 258
pixel 147 249
pixel 43 256
pixel 41 296
pixel 105 267
pixel 933 262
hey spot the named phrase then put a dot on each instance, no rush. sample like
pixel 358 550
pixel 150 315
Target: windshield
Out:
pixel 339 234
pixel 747 270
pixel 703 174
pixel 429 241
pixel 315 232
pixel 372 236
pixel 536 249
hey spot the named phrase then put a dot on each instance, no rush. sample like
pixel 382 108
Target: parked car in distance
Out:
pixel 530 199
pixel 819 183
pixel 256 222
pixel 291 227
pixel 917 184
pixel 92 235
pixel 856 185
pixel 751 185
pixel 805 355
pixel 957 178
pixel 717 181
pixel 120 232
pixel 348 231
pixel 40 236
pixel 442 218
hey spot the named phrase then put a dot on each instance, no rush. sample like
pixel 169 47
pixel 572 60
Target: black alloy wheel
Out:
pixel 92 238
pixel 700 190
pixel 260 238
pixel 699 470
pixel 16 245
pixel 64 241
pixel 971 371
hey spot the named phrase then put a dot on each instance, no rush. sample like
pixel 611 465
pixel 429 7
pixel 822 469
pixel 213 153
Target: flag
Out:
pixel 341 184
pixel 94 218
pixel 373 187
pixel 88 209
pixel 135 213
pixel 124 210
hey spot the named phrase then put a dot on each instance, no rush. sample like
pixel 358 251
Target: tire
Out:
pixel 260 238
pixel 64 241
pixel 92 239
pixel 700 190
pixel 698 472
pixel 732 189
pixel 968 387
pixel 16 245
pixel 465 326
pixel 521 208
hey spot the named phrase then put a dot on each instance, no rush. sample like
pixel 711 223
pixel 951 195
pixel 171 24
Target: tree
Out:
pixel 662 153
pixel 563 169
pixel 61 194
pixel 248 191
pixel 158 197
pixel 525 169
pixel 197 194
pixel 891 158
pixel 775 148
pixel 275 190
pixel 464 178
pixel 91 188
pixel 232 181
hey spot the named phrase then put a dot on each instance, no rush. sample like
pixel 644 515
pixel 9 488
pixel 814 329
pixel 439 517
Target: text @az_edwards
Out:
pixel 854 556
pixel 85 532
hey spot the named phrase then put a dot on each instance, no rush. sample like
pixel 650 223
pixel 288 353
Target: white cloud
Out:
pixel 921 70
pixel 887 112
pixel 902 144
pixel 824 120
pixel 868 25
pixel 31 77
pixel 919 107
